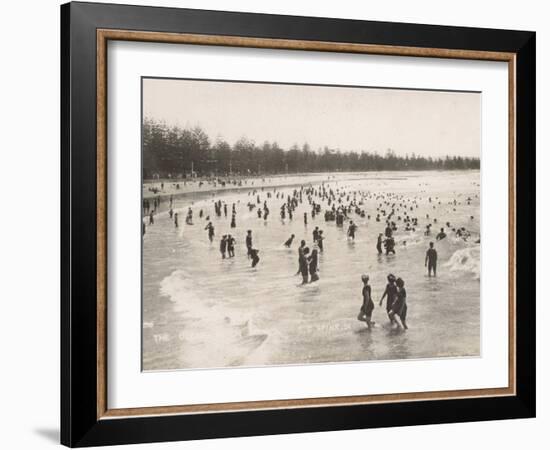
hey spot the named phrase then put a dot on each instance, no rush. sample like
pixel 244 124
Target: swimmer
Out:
pixel 288 242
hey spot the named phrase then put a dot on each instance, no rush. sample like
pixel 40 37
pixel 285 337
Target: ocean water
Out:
pixel 202 311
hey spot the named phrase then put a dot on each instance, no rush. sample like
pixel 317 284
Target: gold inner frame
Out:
pixel 104 35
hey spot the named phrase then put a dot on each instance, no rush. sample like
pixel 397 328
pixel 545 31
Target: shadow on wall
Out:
pixel 49 434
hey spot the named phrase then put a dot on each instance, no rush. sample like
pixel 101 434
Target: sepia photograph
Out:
pixel 294 224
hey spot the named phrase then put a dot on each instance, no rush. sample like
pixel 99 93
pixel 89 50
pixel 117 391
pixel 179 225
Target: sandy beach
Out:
pixel 164 188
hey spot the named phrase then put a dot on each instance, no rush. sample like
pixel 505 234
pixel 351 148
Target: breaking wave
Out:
pixel 215 336
pixel 466 260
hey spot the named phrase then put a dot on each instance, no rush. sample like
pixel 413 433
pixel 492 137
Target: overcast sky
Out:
pixel 424 122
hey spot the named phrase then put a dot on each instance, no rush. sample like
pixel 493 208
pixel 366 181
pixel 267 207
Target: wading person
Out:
pixel 389 243
pixel 254 255
pixel 391 294
pixel 223 245
pixel 379 243
pixel 320 240
pixel 304 268
pixel 189 218
pixel 365 313
pixel 351 230
pixel 248 243
pixel 315 234
pixel 176 220
pixel 431 260
pixel 288 242
pixel 399 307
pixel 210 229
pixel 230 246
pixel 313 261
pixel 300 255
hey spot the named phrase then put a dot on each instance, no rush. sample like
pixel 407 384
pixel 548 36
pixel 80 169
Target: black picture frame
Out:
pixel 80 425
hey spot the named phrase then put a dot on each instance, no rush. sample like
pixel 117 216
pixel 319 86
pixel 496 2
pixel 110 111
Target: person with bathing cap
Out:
pixel 391 293
pixel 399 307
pixel 365 313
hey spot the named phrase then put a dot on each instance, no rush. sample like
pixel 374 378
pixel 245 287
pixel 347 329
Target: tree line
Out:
pixel 179 152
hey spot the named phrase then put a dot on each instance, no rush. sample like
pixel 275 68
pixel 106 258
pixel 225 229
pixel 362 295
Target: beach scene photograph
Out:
pixel 294 224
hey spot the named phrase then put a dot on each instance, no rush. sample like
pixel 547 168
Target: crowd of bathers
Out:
pixel 336 205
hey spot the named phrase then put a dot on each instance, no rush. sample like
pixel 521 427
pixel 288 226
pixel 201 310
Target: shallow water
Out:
pixel 201 311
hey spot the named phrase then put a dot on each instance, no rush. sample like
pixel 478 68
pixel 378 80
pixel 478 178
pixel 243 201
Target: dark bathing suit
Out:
pixel 399 307
pixel 391 290
pixel 368 306
pixel 432 258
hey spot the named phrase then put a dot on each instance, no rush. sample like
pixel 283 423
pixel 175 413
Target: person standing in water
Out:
pixel 230 246
pixel 223 245
pixel 313 261
pixel 254 255
pixel 365 313
pixel 304 268
pixel 389 243
pixel 248 242
pixel 315 234
pixel 300 255
pixel 151 217
pixel 431 260
pixel 391 294
pixel 210 229
pixel 233 224
pixel 399 307
pixel 379 243
pixel 320 240
pixel 351 230
pixel 176 220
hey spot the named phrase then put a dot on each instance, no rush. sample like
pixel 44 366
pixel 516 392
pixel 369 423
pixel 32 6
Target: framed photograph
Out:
pixel 277 224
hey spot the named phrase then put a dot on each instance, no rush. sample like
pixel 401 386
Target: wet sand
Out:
pixel 193 186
